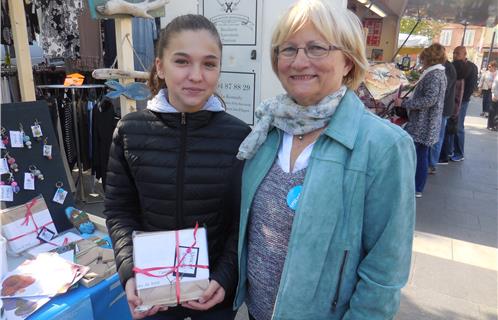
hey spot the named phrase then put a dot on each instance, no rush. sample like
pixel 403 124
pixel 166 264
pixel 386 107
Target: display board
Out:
pixel 26 114
pixel 236 21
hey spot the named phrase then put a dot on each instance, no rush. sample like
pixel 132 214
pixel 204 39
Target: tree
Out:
pixel 426 27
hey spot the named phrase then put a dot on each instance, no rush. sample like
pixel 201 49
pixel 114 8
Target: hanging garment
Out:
pixel 66 118
pixel 109 42
pixel 59 27
pixel 144 33
pixel 6 96
pixel 32 25
pixel 104 123
pixel 90 42
pixel 83 128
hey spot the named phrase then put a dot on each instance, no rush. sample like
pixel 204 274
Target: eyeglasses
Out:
pixel 312 51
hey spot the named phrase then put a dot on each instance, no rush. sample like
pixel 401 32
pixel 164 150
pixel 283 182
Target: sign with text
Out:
pixel 235 20
pixel 237 90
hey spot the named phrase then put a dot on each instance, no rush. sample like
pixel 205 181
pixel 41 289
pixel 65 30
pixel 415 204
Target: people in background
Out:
pixel 425 109
pixel 485 83
pixel 327 209
pixel 493 110
pixel 449 107
pixel 460 54
pixel 452 122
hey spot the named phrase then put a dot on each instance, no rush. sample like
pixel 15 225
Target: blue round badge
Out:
pixel 293 197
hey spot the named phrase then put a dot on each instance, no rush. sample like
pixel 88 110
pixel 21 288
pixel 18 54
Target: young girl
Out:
pixel 174 164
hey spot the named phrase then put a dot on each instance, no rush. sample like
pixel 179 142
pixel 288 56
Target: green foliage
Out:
pixel 426 27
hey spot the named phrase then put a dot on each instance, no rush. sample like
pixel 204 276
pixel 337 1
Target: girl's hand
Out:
pixel 213 295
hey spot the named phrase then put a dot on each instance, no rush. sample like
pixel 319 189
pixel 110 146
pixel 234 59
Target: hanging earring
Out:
pixel 60 194
pixel 47 149
pixel 37 173
pixel 14 184
pixel 36 130
pixel 4 136
pixel 25 137
pixel 12 162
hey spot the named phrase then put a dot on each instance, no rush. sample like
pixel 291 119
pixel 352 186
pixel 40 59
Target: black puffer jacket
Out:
pixel 168 171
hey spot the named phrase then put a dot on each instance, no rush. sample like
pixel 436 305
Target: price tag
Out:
pixel 6 193
pixel 45 234
pixel 37 131
pixel 47 150
pixel 60 195
pixel 29 181
pixel 16 139
pixel 4 166
pixel 2 145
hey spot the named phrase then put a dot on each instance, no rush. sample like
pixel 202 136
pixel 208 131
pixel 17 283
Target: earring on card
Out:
pixel 36 172
pixel 47 149
pixel 25 138
pixel 12 162
pixel 36 130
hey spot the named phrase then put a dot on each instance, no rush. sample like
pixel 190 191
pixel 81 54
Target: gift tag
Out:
pixel 29 181
pixel 37 132
pixel 190 257
pixel 293 197
pixel 45 234
pixel 4 166
pixel 60 195
pixel 6 193
pixel 16 139
pixel 47 150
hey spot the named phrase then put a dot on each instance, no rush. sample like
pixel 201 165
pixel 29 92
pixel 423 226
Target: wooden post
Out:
pixel 125 58
pixel 23 56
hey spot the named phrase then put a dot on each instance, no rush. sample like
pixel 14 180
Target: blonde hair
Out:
pixel 337 25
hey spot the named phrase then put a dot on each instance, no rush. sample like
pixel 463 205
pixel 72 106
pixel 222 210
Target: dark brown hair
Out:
pixel 188 22
pixel 433 54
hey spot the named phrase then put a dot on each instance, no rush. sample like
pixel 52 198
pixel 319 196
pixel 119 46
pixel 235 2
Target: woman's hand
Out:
pixel 213 295
pixel 134 301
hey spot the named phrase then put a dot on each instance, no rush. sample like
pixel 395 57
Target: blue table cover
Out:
pixel 106 300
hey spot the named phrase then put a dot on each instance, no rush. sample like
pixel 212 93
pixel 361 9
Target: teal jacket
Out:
pixel 350 246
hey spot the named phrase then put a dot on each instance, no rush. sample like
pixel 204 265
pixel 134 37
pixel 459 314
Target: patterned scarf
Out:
pixel 282 112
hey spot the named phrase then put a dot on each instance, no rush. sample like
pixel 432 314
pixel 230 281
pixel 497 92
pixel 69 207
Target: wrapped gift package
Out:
pixel 170 267
pixel 52 246
pixel 24 226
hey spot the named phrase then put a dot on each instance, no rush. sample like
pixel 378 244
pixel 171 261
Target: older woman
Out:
pixel 327 211
pixel 425 109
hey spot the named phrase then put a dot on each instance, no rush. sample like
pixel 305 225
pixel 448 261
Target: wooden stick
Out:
pixel 140 9
pixel 106 74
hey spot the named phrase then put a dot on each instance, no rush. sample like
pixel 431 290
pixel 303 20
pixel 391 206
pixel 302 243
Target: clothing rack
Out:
pixel 80 194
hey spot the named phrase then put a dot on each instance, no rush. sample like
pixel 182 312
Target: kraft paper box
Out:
pixel 156 262
pixel 101 263
pixel 24 225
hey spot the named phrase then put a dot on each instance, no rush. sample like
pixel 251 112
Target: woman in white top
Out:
pixel 485 84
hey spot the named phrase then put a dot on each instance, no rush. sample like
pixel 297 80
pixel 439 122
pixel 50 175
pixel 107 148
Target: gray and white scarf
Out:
pixel 284 113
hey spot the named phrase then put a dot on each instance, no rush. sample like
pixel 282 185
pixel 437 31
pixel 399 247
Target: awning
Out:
pixel 472 12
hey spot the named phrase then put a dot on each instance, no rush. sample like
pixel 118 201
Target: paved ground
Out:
pixel 454 265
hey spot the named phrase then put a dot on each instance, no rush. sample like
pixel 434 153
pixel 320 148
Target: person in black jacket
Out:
pixel 460 54
pixel 174 164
